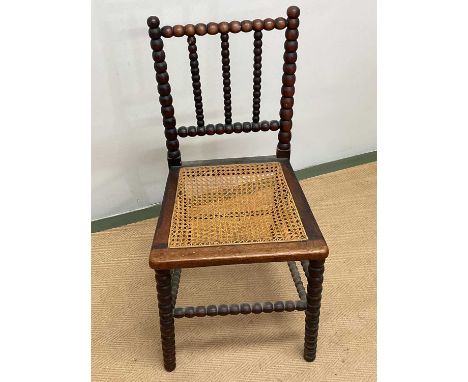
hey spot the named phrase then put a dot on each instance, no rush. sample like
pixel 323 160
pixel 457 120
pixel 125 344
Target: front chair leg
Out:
pixel 166 318
pixel 314 295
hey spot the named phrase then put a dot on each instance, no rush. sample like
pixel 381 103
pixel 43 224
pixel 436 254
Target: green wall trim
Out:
pixel 309 172
pixel 336 165
pixel 126 218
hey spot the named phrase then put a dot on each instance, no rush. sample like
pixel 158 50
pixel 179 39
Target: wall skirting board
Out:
pixel 309 172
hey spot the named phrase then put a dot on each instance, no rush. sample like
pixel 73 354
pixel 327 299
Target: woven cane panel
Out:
pixel 234 204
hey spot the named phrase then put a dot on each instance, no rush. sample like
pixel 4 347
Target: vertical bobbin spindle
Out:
pixel 175 280
pixel 196 84
pixel 297 280
pixel 164 89
pixel 305 267
pixel 283 149
pixel 226 81
pixel 257 73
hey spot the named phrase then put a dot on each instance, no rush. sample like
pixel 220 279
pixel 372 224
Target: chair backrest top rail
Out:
pixel 213 28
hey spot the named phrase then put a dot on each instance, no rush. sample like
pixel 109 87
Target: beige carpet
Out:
pixel 265 347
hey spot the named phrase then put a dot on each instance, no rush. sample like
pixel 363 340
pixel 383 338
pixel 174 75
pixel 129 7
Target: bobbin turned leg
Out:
pixel 314 295
pixel 166 318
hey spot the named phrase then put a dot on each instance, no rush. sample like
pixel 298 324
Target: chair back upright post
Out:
pixel 284 125
pixel 164 90
pixel 283 149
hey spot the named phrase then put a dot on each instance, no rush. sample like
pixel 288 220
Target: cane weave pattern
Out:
pixel 234 204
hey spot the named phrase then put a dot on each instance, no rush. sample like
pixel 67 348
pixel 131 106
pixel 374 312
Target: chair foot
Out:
pixel 314 296
pixel 309 358
pixel 166 318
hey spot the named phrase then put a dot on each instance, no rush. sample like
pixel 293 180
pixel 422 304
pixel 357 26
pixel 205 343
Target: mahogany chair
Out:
pixel 233 211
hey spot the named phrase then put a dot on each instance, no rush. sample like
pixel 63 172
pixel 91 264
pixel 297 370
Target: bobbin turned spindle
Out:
pixel 228 128
pixel 196 84
pixel 213 28
pixel 283 149
pixel 164 89
pixel 226 76
pixel 257 75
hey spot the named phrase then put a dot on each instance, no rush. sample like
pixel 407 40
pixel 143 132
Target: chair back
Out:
pixel 224 29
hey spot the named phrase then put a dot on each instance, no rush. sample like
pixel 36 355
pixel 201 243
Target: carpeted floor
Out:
pixel 265 347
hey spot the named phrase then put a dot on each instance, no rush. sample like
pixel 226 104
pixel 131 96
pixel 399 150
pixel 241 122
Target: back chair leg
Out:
pixel 166 318
pixel 314 296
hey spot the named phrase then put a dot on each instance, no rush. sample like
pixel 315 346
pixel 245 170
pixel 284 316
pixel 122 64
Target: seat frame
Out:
pixel 167 262
pixel 163 257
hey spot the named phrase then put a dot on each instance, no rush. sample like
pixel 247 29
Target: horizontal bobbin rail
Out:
pixel 243 308
pixel 223 27
pixel 221 128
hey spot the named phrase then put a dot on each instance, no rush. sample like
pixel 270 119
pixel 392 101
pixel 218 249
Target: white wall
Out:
pixel 335 100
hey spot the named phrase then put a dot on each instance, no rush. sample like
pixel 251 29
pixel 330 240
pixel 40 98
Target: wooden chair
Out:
pixel 233 211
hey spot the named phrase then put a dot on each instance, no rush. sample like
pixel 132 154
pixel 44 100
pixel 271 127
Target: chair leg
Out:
pixel 314 295
pixel 166 318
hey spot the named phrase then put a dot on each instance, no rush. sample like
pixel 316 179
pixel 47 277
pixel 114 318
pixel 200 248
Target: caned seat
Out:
pixel 233 211
pixel 210 207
